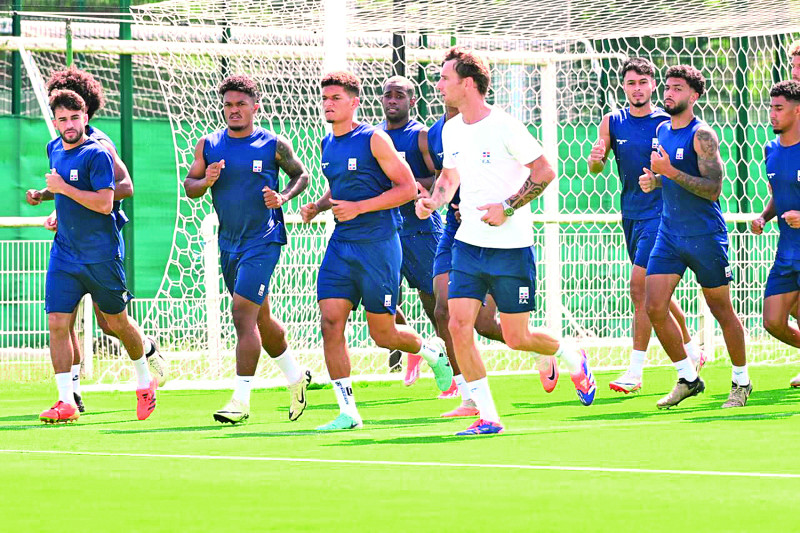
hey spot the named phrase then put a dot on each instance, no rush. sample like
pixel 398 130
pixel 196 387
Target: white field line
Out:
pixel 355 462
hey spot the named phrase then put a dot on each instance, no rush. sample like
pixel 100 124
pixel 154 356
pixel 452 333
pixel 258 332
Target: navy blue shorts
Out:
pixel 248 273
pixel 362 271
pixel 640 236
pixel 419 250
pixel 509 275
pixel 67 282
pixel 443 261
pixel 705 255
pixel 783 277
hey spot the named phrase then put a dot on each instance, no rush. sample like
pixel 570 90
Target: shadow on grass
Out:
pixel 427 439
pixel 186 429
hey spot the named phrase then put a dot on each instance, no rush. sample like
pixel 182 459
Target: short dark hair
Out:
pixel 239 83
pixel 788 89
pixel 470 65
pixel 74 79
pixel 67 99
pixel 402 80
pixel 639 65
pixel 693 77
pixel 341 78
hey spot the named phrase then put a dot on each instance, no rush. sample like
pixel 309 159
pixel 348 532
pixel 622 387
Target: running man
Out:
pixel 240 165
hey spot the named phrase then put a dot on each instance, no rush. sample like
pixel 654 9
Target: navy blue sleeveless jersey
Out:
pixel 84 236
pixel 632 140
pixel 436 149
pixel 99 135
pixel 406 142
pixel 244 220
pixel 354 174
pixel 686 214
pixel 783 171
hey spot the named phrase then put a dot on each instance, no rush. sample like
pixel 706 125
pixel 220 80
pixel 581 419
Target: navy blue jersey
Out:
pixel 686 214
pixel 99 135
pixel 406 142
pixel 84 236
pixel 632 140
pixel 783 171
pixel 436 149
pixel 244 220
pixel 353 175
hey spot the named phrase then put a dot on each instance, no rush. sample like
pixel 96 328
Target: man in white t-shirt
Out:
pixel 501 169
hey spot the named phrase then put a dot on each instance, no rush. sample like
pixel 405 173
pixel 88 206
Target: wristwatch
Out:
pixel 507 209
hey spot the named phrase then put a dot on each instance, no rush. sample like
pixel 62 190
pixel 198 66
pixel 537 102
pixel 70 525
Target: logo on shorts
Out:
pixel 73 174
pixel 387 300
pixel 325 165
pixel 679 153
pixel 440 154
pixel 257 164
pixel 402 155
pixel 261 290
pixel 728 273
pixel 524 295
pixel 126 296
pixel 654 143
pixel 486 158
pixel 352 164
pixel 798 175
pixel 771 175
pixel 621 141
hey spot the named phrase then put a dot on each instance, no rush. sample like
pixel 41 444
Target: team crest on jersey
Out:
pixel 524 295
pixel 621 141
pixel 654 143
pixel 387 300
pixel 352 164
pixel 73 174
pixel 402 155
pixel 257 164
pixel 679 153
pixel 486 158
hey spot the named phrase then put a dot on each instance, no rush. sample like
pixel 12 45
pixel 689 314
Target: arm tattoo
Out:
pixel 531 189
pixel 293 167
pixel 709 184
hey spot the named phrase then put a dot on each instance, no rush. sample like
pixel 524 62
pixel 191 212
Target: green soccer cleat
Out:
pixel 442 370
pixel 234 413
pixel 342 422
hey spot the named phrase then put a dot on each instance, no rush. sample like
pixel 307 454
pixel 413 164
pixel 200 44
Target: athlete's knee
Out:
pixel 774 324
pixel 332 326
pixel 441 314
pixel 656 308
pixel 383 336
pixel 460 327
pixel 59 324
pixel 243 320
pixel 638 295
pixel 103 324
pixel 514 339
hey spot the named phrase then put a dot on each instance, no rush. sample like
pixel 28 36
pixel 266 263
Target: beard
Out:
pixel 677 109
pixel 236 128
pixel 74 137
pixel 640 104
pixel 777 131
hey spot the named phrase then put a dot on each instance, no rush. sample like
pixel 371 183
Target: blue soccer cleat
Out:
pixel 341 422
pixel 482 427
pixel 585 384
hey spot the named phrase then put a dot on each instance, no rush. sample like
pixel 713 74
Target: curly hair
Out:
pixel 341 78
pixel 788 89
pixel 639 65
pixel 693 77
pixel 74 79
pixel 239 83
pixel 67 99
pixel 794 49
pixel 470 65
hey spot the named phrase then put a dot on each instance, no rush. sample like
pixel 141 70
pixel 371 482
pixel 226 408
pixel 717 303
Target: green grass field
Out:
pixel 618 465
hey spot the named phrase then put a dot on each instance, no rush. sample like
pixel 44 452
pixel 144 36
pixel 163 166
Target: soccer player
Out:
pixel 688 169
pixel 782 158
pixel 501 168
pixel 486 323
pixel 368 181
pixel 794 55
pixel 88 88
pixel 86 256
pixel 240 165
pixel 631 134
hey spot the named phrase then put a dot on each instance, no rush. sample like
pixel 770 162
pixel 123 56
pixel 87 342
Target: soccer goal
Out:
pixel 553 66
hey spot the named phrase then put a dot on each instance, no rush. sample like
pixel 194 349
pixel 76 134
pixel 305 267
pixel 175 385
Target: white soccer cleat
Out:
pixel 297 396
pixel 795 382
pixel 234 413
pixel 626 383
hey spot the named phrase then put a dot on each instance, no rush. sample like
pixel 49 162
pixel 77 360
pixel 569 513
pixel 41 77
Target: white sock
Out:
pixel 148 348
pixel 569 353
pixel 288 365
pixel 691 350
pixel 64 384
pixel 142 373
pixel 740 376
pixel 76 379
pixel 344 395
pixel 482 396
pixel 429 353
pixel 637 362
pixel 463 388
pixel 686 369
pixel 241 388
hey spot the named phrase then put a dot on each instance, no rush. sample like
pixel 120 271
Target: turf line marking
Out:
pixel 709 473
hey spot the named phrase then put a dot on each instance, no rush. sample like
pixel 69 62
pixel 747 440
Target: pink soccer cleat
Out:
pixel 548 372
pixel 467 408
pixel 585 384
pixel 60 413
pixel 452 392
pixel 412 369
pixel 146 400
